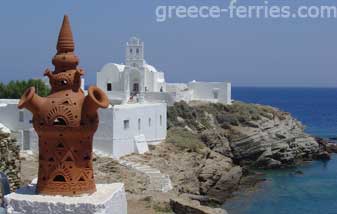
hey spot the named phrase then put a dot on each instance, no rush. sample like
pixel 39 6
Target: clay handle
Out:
pixel 96 99
pixel 30 100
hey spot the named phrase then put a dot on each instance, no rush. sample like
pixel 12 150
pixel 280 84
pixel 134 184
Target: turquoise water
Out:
pixel 284 191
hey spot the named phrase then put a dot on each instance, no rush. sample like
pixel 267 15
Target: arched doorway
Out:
pixel 135 89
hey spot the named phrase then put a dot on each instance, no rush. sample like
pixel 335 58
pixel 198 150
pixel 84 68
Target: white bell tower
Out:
pixel 135 53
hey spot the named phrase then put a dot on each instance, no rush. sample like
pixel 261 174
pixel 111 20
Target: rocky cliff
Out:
pixel 249 134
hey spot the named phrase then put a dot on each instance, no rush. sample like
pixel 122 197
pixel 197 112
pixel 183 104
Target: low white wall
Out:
pixel 159 97
pixel 182 96
pixel 103 138
pixel 211 91
pixel 175 87
pixel 109 198
pixel 10 115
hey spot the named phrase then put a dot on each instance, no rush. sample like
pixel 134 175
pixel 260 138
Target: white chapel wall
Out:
pixel 210 91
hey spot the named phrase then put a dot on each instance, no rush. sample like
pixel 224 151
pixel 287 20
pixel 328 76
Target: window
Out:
pixel 139 124
pixel 130 50
pixel 216 93
pixel 21 116
pixel 161 120
pixel 126 124
pixel 109 87
pixel 149 122
pixel 135 88
pixel 137 50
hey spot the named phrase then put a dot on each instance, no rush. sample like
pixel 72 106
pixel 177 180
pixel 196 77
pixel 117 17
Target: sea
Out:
pixel 314 190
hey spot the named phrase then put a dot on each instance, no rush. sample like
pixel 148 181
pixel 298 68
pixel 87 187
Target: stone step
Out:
pixel 157 180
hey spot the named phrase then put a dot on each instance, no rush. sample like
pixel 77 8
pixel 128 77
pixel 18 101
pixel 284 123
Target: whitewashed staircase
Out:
pixel 157 181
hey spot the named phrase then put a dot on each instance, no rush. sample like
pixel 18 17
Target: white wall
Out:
pixel 159 97
pixel 159 82
pixel 154 132
pixel 182 96
pixel 113 139
pixel 175 87
pixel 103 138
pixel 206 91
pixel 110 73
pixel 10 115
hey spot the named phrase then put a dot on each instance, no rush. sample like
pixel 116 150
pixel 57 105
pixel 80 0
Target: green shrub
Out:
pixel 15 89
pixel 162 208
pixel 184 140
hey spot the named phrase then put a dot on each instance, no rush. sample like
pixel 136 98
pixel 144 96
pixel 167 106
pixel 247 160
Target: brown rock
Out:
pixel 185 206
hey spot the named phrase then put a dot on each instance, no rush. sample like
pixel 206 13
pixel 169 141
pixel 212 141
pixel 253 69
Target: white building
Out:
pixel 138 80
pixel 123 129
pixel 130 128
pixel 125 82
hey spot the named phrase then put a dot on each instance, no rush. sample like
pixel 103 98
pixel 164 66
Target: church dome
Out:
pixel 112 67
pixel 150 68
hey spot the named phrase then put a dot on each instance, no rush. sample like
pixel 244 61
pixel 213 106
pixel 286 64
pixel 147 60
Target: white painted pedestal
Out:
pixel 108 199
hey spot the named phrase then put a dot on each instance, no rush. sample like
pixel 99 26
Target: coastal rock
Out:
pixel 185 206
pixel 269 163
pixel 250 134
pixel 217 142
pixel 332 147
pixel 204 172
pixel 218 177
pixel 323 155
pixel 326 145
pixel 278 141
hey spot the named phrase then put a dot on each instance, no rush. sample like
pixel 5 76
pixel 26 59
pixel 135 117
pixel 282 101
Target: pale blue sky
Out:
pixel 265 52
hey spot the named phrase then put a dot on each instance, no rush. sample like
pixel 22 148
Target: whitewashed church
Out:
pixel 138 81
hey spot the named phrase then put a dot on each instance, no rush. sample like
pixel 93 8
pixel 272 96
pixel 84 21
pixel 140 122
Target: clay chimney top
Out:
pixel 65 41
pixel 65 58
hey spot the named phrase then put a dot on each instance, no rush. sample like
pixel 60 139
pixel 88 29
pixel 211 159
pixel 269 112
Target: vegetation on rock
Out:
pixel 184 140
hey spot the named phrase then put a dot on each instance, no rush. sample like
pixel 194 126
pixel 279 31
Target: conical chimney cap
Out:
pixel 65 41
pixel 65 58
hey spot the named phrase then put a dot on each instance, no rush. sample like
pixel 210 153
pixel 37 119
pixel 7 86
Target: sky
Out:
pixel 247 52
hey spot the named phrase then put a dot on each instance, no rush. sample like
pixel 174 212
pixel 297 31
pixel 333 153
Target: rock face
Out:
pixel 250 134
pixel 273 142
pixel 9 159
pixel 184 206
pixel 197 173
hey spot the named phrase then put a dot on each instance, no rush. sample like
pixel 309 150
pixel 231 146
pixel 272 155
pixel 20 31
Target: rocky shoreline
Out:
pixel 252 136
pixel 212 150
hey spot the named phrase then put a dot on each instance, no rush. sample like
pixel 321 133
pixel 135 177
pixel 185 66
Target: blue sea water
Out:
pixel 284 191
